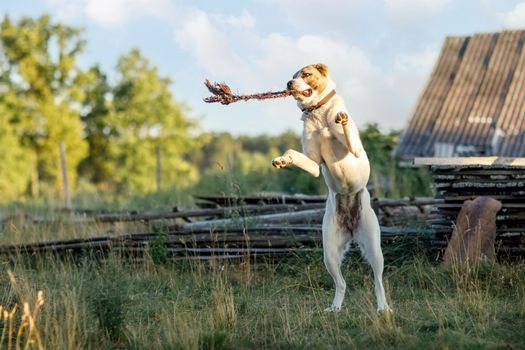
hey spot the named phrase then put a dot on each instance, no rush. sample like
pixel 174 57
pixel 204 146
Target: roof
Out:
pixel 474 100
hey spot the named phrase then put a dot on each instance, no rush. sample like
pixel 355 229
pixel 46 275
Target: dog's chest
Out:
pixel 316 120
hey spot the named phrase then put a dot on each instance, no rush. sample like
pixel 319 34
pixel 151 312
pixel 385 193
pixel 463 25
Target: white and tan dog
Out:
pixel 331 142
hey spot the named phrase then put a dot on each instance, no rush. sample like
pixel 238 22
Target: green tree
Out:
pixel 145 116
pixel 15 161
pixel 96 116
pixel 388 178
pixel 219 151
pixel 40 73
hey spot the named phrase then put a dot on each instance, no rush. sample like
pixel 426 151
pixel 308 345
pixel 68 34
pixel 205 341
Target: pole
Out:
pixel 159 168
pixel 35 188
pixel 67 195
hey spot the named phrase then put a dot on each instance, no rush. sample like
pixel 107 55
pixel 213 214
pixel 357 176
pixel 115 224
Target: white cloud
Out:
pixel 65 10
pixel 407 78
pixel 208 44
pixel 402 11
pixel 420 61
pixel 110 13
pixel 244 20
pixel 349 19
pixel 228 47
pixel 515 18
pixel 270 61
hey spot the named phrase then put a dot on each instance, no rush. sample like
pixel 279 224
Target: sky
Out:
pixel 379 52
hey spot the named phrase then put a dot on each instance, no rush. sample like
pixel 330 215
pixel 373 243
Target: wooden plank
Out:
pixel 260 199
pixel 460 198
pixel 422 201
pixel 481 185
pixel 481 171
pixel 509 162
pixel 478 177
pixel 298 216
pixel 481 182
pixel 228 211
pixel 227 250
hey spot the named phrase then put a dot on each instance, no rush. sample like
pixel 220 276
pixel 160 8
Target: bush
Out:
pixel 108 298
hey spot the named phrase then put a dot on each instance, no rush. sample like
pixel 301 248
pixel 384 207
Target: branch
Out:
pixel 223 94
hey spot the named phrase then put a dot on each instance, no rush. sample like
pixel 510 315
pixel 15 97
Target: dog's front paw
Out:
pixel 282 162
pixel 333 309
pixel 342 118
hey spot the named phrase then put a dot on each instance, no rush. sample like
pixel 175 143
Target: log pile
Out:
pixel 234 244
pixel 391 212
pixel 460 179
pixel 232 228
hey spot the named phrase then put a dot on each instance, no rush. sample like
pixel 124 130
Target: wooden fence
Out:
pixel 228 228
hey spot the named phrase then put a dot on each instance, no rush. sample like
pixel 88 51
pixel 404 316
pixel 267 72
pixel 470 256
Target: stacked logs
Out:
pixel 233 228
pixel 461 179
pixel 198 245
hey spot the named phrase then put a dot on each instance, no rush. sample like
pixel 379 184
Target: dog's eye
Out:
pixel 306 75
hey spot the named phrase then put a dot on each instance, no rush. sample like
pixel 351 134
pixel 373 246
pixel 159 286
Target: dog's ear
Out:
pixel 322 68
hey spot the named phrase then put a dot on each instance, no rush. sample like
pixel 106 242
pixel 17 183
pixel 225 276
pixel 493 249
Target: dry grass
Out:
pixel 115 304
pixel 19 322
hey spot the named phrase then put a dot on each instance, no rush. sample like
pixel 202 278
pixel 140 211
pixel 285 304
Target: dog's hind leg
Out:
pixel 334 247
pixel 368 236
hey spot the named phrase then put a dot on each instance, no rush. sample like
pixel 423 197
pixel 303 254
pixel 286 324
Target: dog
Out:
pixel 332 146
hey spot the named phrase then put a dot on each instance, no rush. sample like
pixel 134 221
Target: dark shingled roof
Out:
pixel 474 100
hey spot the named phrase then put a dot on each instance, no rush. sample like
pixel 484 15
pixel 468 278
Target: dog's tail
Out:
pixel 348 211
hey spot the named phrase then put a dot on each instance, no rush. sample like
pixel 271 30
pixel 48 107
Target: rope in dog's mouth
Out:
pixel 223 94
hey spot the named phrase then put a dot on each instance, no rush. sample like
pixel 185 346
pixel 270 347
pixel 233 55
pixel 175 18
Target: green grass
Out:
pixel 119 304
pixel 153 304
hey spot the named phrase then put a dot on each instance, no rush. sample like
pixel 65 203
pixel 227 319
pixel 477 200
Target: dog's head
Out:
pixel 309 83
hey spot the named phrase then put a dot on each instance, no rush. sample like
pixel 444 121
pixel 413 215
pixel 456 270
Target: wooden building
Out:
pixel 474 101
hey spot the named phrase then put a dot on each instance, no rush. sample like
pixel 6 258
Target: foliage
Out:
pixel 127 124
pixel 43 83
pixel 15 163
pixel 112 133
pixel 157 247
pixel 250 172
pixel 109 300
pixel 114 130
pixel 97 166
pixel 388 178
pixel 146 117
pixel 243 164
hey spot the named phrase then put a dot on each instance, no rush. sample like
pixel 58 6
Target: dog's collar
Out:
pixel 322 102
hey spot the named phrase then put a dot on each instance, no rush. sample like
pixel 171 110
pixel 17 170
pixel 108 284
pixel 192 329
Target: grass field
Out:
pixel 116 303
pixel 119 304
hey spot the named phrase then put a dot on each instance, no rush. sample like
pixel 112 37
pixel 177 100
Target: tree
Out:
pixel 15 161
pixel 387 177
pixel 96 116
pixel 40 73
pixel 218 151
pixel 145 115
